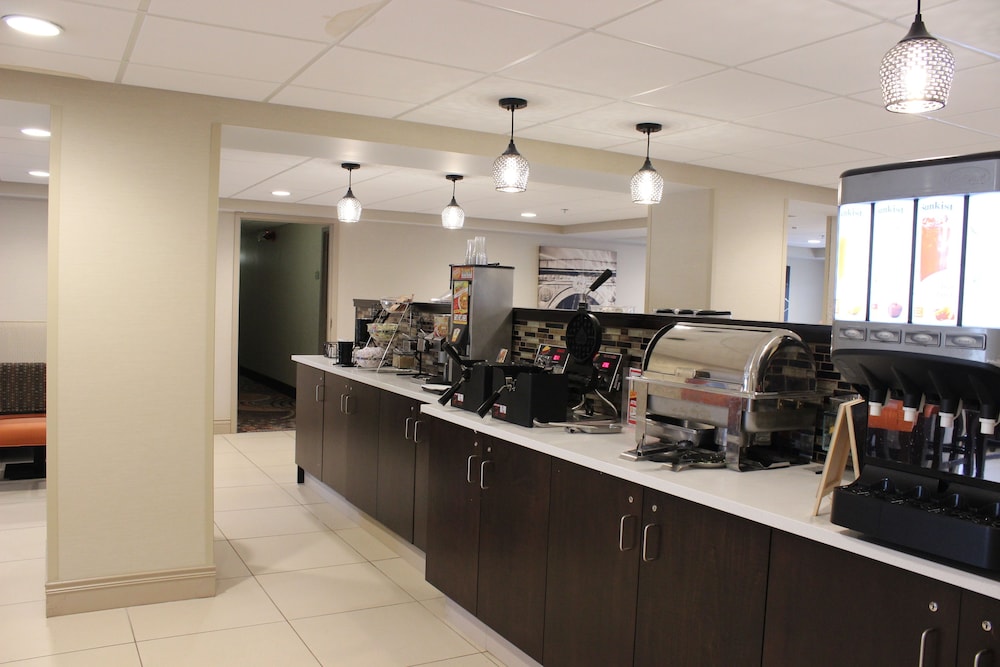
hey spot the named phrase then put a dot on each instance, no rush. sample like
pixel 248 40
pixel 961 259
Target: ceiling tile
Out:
pixel 311 98
pixel 309 21
pixel 92 32
pixel 572 12
pixel 925 138
pixel 387 77
pixel 811 154
pixel 456 33
pixel 197 82
pixel 844 65
pixel 96 69
pixel 740 31
pixel 987 122
pixel 467 108
pixel 222 51
pixel 973 89
pixel 604 65
pixel 728 138
pixel 828 118
pixel 731 95
pixel 973 23
pixel 740 164
pixel 621 118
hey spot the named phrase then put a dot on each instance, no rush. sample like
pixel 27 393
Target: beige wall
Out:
pixel 132 286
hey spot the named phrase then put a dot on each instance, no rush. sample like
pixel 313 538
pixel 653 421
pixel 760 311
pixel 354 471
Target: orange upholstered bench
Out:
pixel 22 415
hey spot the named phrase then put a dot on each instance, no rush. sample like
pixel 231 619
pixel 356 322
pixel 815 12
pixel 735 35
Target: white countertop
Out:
pixel 782 499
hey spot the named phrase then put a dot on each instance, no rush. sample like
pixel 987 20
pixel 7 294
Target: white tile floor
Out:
pixel 303 579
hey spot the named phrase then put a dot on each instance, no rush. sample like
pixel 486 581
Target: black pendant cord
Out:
pixel 647 144
pixel 512 124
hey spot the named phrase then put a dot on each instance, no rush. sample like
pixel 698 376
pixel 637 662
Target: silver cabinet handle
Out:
pixel 978 660
pixel 923 646
pixel 347 404
pixel 482 474
pixel 468 469
pixel 416 430
pixel 319 394
pixel 621 534
pixel 646 533
pixel 406 428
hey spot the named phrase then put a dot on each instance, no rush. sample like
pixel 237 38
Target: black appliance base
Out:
pixel 948 520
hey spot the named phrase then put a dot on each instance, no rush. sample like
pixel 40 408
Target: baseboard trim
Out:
pixel 222 426
pixel 81 595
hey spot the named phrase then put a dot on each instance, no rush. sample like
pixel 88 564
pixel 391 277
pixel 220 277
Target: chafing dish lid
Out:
pixel 739 358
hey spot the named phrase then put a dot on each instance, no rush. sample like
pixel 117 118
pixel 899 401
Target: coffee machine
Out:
pixel 917 332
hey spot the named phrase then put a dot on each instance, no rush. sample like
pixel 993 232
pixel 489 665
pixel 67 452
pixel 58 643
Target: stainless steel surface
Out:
pixel 725 387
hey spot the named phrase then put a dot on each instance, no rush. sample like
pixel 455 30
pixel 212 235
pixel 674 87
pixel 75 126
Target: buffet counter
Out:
pixel 780 499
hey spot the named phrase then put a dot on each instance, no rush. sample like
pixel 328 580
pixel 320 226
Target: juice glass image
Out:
pixel 933 245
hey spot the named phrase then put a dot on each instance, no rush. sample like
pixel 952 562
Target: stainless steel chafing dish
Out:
pixel 727 387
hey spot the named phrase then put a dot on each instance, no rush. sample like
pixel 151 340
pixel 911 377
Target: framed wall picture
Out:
pixel 565 274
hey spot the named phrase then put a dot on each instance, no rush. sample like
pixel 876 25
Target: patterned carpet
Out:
pixel 261 408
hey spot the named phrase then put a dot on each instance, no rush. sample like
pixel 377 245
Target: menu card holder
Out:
pixel 843 442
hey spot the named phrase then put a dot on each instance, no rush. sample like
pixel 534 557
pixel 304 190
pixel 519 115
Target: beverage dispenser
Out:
pixel 917 331
pixel 482 313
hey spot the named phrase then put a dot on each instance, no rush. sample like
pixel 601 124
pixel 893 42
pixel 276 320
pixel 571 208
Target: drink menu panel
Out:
pixel 853 245
pixel 938 260
pixel 980 305
pixel 891 261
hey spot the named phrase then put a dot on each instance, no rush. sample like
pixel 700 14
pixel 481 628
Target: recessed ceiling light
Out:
pixel 35 132
pixel 529 215
pixel 31 25
pixel 281 193
pixel 38 173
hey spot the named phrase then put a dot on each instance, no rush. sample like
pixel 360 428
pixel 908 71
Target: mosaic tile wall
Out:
pixel 529 334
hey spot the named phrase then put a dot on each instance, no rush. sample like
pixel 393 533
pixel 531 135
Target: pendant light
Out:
pixel 916 74
pixel 453 217
pixel 510 170
pixel 349 207
pixel 647 185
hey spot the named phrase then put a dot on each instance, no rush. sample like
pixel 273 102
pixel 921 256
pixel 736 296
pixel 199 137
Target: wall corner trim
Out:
pixel 82 595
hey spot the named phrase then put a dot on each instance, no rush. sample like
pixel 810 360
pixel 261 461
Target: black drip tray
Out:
pixel 958 524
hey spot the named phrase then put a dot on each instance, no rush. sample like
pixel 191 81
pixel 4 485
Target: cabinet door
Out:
pixel 396 463
pixel 362 410
pixel 979 631
pixel 593 567
pixel 452 554
pixel 335 435
pixel 827 607
pixel 513 535
pixel 702 586
pixel 309 419
pixel 421 479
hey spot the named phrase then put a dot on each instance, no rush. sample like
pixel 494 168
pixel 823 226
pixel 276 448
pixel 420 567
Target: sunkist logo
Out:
pixel 935 206
pixel 890 208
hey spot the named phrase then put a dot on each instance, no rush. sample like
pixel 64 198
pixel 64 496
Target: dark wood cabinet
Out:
pixel 513 538
pixel 487 530
pixel 309 387
pixel 350 441
pixel 979 631
pixel 399 430
pixel 452 554
pixel 702 586
pixel 639 577
pixel 826 607
pixel 593 567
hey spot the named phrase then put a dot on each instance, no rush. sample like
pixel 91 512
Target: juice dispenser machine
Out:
pixel 917 331
pixel 482 313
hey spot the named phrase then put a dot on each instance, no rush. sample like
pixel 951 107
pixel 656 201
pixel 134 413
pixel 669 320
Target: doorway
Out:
pixel 283 273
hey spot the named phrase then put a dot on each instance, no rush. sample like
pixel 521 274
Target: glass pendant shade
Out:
pixel 510 171
pixel 916 73
pixel 349 207
pixel 646 185
pixel 452 217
